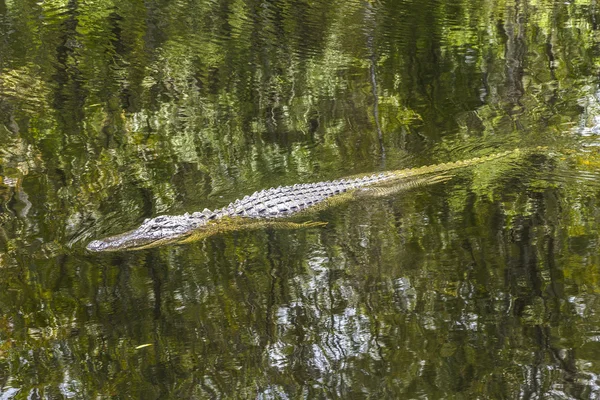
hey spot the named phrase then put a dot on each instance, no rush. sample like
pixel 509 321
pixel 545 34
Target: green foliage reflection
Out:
pixel 486 286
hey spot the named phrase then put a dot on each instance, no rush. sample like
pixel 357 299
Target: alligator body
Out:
pixel 275 206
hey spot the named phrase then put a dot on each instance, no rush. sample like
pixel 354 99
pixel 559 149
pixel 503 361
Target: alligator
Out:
pixel 275 207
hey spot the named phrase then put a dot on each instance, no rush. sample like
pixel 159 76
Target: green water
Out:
pixel 485 286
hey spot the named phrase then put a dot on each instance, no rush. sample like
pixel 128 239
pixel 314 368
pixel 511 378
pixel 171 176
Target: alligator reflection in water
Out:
pixel 268 207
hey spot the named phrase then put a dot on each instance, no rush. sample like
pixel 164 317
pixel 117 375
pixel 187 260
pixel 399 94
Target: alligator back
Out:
pixel 285 200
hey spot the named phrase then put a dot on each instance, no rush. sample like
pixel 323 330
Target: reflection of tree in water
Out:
pixel 516 50
pixel 323 308
pixel 108 117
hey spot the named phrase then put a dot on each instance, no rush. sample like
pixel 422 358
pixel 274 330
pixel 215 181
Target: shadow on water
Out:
pixel 482 286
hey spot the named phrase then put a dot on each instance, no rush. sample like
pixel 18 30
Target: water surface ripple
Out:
pixel 480 287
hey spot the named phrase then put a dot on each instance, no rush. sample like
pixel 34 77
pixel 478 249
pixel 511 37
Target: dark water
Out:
pixel 487 286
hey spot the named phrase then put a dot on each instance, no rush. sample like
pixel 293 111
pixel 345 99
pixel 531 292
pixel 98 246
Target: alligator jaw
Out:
pixel 114 243
pixel 153 232
pixel 129 241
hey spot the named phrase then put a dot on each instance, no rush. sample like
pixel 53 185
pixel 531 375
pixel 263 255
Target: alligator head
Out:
pixel 153 232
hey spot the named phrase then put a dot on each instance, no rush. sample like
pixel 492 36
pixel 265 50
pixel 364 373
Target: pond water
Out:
pixel 484 286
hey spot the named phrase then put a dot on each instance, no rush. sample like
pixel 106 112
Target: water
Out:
pixel 481 287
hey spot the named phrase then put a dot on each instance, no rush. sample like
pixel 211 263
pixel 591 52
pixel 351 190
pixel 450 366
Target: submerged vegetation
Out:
pixel 116 111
